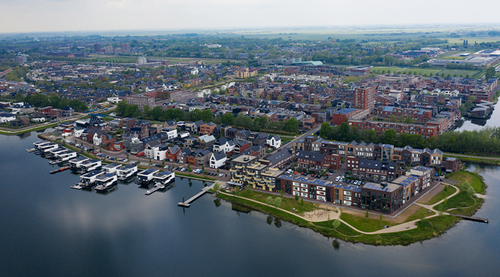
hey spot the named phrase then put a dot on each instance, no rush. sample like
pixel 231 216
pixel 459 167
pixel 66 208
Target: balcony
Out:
pixel 232 170
pixel 250 173
pixel 238 166
pixel 238 175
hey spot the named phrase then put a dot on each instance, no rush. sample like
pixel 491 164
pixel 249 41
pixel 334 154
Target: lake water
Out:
pixel 478 124
pixel 49 229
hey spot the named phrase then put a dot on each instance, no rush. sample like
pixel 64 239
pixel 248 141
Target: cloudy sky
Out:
pixel 90 15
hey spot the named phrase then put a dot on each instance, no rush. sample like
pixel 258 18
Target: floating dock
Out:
pixel 155 188
pixel 59 170
pixel 471 218
pixel 31 150
pixel 187 203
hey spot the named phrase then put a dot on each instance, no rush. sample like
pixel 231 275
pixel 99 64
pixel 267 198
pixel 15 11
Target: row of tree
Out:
pixel 42 100
pixel 483 142
pixel 240 121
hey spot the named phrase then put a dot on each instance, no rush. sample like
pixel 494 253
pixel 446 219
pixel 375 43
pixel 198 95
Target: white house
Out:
pixel 171 133
pixel 274 141
pixel 97 139
pixel 159 152
pixel 184 134
pixel 217 159
pixel 6 117
pixel 224 145
pixel 114 99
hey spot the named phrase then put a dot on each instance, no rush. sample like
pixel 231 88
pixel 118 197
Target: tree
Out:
pixel 281 193
pixel 325 130
pixel 216 186
pixel 19 97
pixel 335 224
pixel 408 120
pixel 189 168
pixel 228 119
pixel 380 215
pixel 269 200
pixel 277 202
pixel 490 72
pixel 292 125
pixel 302 201
pixel 367 214
pixel 296 197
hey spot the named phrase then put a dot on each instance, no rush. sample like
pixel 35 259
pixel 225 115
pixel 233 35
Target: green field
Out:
pixel 419 71
pixel 379 69
pixel 458 72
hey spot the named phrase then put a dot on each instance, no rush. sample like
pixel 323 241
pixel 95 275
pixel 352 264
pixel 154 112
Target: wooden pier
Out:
pixel 187 203
pixel 471 218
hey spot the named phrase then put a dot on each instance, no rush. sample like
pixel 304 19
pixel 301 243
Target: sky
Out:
pixel 19 16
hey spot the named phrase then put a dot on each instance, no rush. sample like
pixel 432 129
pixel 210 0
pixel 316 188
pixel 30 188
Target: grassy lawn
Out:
pixel 474 179
pixel 458 72
pixel 420 71
pixel 441 195
pixel 365 224
pixel 343 229
pixel 379 69
pixel 420 213
pixel 286 203
pixel 462 199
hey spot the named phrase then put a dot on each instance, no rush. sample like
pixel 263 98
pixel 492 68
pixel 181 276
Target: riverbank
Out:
pixel 425 223
pixel 474 159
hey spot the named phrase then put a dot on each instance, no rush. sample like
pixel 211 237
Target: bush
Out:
pixel 277 202
pixel 335 224
pixel 269 200
pixel 406 237
pixel 463 204
pixel 296 197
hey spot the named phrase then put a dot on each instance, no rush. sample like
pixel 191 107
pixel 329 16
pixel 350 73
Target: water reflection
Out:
pixel 478 124
pixel 48 229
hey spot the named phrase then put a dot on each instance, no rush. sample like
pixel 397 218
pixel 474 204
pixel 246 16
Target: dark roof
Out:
pixel 219 155
pixel 365 163
pixel 313 156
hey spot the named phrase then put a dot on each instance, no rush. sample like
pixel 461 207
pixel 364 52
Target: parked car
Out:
pixel 326 177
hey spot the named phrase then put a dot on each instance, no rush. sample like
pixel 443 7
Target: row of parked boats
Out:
pixel 102 178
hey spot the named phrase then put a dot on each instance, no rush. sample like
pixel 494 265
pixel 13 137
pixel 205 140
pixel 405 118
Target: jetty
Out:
pixel 59 170
pixel 31 150
pixel 471 218
pixel 155 188
pixel 187 203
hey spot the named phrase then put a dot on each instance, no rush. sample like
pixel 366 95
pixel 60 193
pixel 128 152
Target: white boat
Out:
pixel 75 163
pixel 89 165
pixel 125 172
pixel 88 179
pixel 111 168
pixel 105 181
pixel 146 177
pixel 163 177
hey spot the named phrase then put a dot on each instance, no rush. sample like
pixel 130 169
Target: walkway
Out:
pixel 469 156
pixel 322 215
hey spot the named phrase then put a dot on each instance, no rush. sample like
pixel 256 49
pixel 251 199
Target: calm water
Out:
pixel 48 229
pixel 476 124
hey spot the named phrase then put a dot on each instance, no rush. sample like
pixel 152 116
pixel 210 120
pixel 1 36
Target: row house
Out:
pixel 419 115
pixel 400 128
pixel 199 157
pixel 320 190
pixel 318 162
pixel 372 168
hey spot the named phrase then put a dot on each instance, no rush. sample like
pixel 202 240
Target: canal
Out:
pixel 48 229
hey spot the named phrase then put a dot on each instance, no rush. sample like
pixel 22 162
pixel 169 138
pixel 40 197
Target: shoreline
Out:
pixel 405 233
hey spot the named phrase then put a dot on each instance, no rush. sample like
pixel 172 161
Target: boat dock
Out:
pixel 31 150
pixel 187 203
pixel 155 188
pixel 59 170
pixel 471 218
